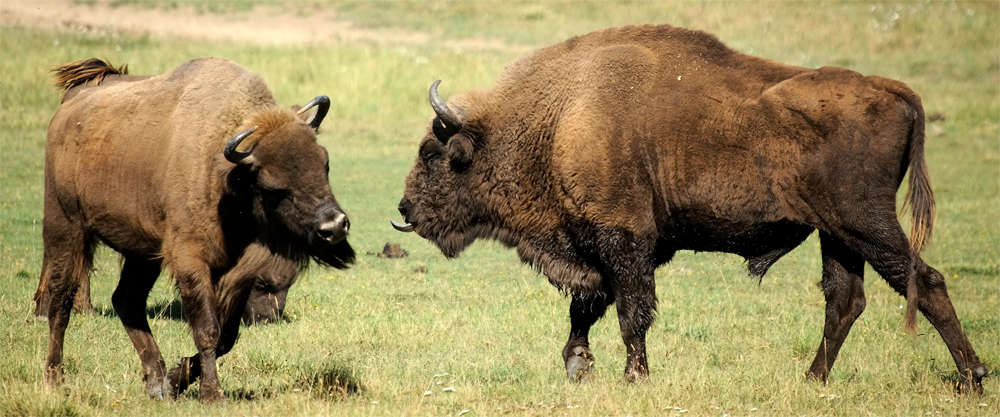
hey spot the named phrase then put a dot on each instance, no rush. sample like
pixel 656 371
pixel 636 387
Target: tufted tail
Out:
pixel 84 71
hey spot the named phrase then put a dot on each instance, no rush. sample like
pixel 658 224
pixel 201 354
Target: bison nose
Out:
pixel 404 207
pixel 334 230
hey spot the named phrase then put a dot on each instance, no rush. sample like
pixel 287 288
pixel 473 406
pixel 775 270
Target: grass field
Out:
pixel 482 334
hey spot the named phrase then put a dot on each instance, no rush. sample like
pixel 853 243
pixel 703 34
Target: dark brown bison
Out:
pixel 265 303
pixel 600 157
pixel 197 170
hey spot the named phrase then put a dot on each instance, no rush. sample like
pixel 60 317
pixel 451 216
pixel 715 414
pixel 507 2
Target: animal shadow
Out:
pixel 332 381
pixel 170 309
pixel 243 394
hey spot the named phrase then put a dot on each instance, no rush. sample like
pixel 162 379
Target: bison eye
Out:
pixel 430 153
pixel 271 190
pixel 430 157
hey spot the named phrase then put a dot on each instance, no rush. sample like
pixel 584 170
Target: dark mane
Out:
pixel 84 71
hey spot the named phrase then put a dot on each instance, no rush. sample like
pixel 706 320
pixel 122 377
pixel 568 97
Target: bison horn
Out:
pixel 450 120
pixel 230 152
pixel 407 227
pixel 324 106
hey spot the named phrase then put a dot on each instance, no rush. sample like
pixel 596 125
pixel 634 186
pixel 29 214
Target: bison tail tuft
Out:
pixel 84 71
pixel 919 197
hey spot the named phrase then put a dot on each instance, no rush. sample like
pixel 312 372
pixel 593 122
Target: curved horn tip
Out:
pixel 448 117
pixel 407 227
pixel 433 93
pixel 230 152
pixel 320 100
pixel 323 101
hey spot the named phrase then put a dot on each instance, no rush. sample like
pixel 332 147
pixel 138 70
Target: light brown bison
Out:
pixel 197 170
pixel 600 157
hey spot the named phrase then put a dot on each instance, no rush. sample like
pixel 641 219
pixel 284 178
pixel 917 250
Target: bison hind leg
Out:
pixel 936 306
pixel 844 291
pixel 81 301
pixel 877 236
pixel 129 300
pixel 67 259
pixel 42 298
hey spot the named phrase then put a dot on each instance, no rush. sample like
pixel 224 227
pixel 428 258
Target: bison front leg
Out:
pixel 188 369
pixel 584 311
pixel 198 297
pixel 636 298
pixel 232 291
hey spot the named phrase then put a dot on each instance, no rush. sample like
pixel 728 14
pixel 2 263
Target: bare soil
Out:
pixel 261 25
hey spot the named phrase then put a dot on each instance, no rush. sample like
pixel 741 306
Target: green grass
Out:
pixel 371 340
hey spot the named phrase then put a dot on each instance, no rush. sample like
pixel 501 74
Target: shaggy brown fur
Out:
pixel 266 301
pixel 600 157
pixel 138 165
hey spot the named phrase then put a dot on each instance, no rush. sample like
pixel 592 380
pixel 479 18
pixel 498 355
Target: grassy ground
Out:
pixel 483 333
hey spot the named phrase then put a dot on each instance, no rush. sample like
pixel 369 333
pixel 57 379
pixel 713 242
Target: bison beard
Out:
pixel 226 190
pixel 600 157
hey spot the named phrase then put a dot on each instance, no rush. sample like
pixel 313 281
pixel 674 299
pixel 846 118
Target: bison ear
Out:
pixel 460 151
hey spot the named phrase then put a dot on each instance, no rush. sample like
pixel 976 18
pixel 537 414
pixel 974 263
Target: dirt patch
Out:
pixel 261 25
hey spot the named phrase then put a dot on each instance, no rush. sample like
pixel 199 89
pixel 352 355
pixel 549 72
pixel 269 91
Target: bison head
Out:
pixel 266 301
pixel 281 178
pixel 439 202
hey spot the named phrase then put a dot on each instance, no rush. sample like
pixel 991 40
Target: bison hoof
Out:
pixel 972 381
pixel 158 387
pixel 636 376
pixel 53 376
pixel 211 393
pixel 579 364
pixel 817 376
pixel 178 378
pixel 979 373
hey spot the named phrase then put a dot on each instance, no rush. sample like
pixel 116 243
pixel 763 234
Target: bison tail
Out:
pixel 919 197
pixel 84 71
